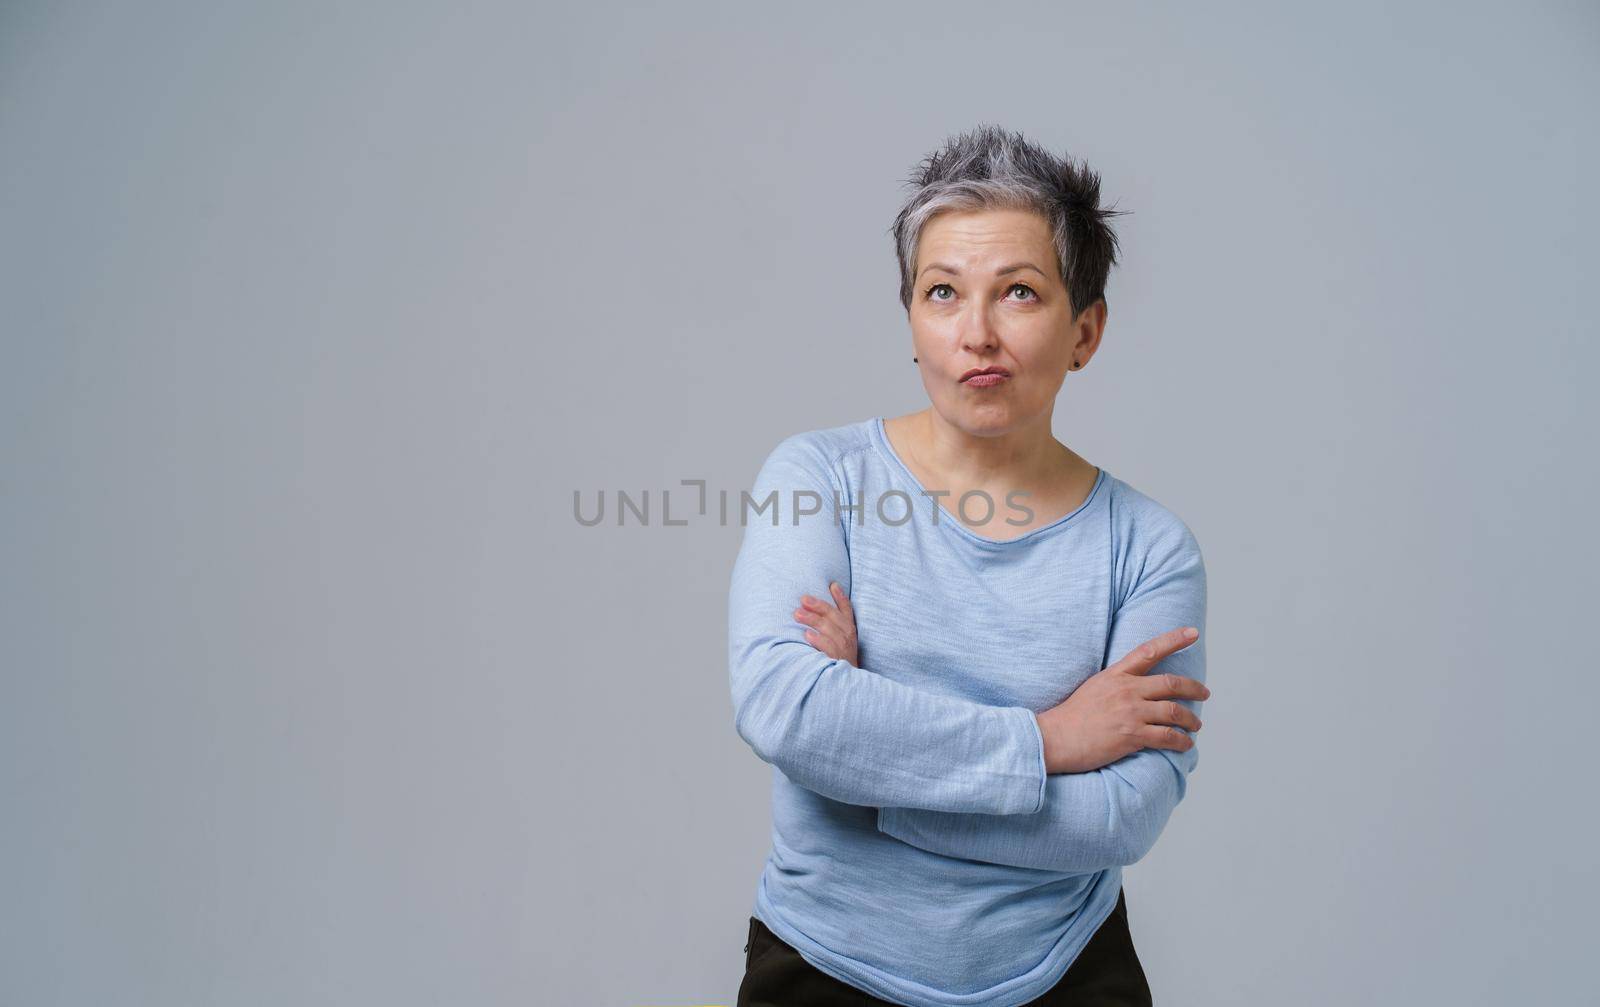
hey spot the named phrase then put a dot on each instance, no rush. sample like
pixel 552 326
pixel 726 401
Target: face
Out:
pixel 988 292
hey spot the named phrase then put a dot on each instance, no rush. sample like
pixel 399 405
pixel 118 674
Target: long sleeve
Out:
pixel 1110 816
pixel 839 730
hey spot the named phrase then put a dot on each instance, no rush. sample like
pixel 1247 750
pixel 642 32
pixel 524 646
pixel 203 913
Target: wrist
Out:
pixel 1051 753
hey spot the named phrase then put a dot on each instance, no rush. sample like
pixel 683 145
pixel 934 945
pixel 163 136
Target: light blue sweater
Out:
pixel 919 850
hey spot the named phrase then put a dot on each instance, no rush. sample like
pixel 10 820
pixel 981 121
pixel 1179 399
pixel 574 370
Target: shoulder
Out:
pixel 1145 520
pixel 814 455
pixel 1148 538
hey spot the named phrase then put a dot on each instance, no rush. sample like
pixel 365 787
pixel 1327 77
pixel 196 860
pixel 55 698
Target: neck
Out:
pixel 1025 455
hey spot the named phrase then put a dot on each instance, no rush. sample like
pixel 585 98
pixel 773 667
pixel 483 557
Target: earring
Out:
pixel 913 360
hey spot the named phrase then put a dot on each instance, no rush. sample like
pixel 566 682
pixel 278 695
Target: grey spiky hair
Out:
pixel 991 168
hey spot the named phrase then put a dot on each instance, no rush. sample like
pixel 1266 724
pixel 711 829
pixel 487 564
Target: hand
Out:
pixel 833 630
pixel 1121 709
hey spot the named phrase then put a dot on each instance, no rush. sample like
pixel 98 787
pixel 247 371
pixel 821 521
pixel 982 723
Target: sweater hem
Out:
pixel 1014 992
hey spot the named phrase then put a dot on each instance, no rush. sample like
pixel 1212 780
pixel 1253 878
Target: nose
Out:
pixel 978 334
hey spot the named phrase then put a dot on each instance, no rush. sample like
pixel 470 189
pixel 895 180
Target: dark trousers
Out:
pixel 1106 974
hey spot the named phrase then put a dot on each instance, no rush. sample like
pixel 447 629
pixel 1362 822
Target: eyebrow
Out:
pixel 1003 270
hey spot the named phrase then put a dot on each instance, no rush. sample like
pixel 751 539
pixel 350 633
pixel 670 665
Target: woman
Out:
pixel 969 653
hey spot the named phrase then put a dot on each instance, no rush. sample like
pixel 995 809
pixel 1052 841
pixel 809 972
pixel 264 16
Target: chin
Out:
pixel 986 417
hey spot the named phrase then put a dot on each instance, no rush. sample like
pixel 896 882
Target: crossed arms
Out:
pixel 954 777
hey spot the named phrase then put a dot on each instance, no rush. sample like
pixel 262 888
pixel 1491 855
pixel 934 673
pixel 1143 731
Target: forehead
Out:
pixel 978 236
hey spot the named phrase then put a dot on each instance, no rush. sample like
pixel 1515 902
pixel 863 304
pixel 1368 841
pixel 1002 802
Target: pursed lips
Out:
pixel 985 378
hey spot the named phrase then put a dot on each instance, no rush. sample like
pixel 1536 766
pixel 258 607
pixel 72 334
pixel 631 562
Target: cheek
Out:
pixel 1043 354
pixel 1045 344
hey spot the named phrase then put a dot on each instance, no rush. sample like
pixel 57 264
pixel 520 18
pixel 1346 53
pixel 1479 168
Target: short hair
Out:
pixel 992 168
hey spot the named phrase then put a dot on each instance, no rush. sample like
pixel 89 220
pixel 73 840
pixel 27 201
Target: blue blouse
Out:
pixel 919 850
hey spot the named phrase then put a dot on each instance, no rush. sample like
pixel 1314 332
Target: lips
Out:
pixel 991 375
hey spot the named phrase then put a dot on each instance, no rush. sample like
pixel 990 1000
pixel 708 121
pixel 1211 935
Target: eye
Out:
pixel 1023 286
pixel 929 292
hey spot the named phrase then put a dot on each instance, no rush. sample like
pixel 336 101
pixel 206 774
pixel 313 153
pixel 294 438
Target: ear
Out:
pixel 1087 329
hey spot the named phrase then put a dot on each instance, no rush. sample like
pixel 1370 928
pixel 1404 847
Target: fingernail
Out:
pixel 1190 633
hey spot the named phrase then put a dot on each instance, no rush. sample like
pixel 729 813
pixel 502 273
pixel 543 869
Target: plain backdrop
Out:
pixel 317 315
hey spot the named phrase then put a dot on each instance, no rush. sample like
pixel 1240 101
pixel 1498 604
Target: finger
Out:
pixel 835 626
pixel 825 642
pixel 817 641
pixel 815 604
pixel 816 613
pixel 1166 737
pixel 1168 685
pixel 831 624
pixel 1170 711
pixel 825 625
pixel 842 600
pixel 1148 654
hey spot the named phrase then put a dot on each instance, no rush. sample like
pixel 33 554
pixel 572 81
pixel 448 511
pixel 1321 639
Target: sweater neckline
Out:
pixel 880 439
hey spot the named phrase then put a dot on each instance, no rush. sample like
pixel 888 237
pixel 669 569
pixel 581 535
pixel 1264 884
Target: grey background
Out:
pixel 316 315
